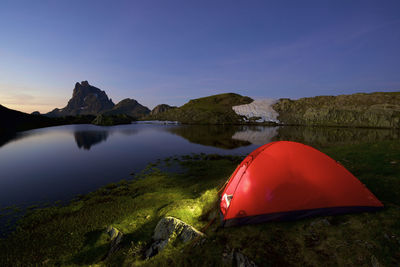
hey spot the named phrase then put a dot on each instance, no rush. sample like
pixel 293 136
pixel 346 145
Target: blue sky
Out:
pixel 172 51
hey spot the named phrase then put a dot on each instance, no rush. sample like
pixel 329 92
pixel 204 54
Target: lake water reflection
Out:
pixel 57 163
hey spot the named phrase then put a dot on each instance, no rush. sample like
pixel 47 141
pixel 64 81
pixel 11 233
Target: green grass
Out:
pixel 216 109
pixel 75 234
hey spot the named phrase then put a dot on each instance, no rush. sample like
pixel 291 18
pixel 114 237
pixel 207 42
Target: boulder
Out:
pixel 169 229
pixel 115 238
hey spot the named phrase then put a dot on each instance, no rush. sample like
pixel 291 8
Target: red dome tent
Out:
pixel 288 181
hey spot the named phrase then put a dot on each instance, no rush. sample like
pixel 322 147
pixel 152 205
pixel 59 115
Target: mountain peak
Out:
pixel 85 83
pixel 86 100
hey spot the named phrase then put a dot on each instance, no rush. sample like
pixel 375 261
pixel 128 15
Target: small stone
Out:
pixel 393 162
pixel 240 259
pixel 375 262
pixel 112 232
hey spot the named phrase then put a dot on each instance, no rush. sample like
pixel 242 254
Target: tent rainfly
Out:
pixel 288 181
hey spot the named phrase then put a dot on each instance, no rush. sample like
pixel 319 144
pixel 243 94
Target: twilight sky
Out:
pixel 172 51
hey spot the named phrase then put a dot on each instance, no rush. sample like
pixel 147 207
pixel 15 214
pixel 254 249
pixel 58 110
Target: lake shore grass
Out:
pixel 75 234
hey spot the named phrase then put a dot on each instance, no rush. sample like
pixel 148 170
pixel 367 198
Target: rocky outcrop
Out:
pixel 169 229
pixel 356 110
pixel 86 100
pixel 161 108
pixel 128 107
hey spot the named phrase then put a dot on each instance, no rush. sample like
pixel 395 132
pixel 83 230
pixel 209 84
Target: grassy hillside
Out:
pixel 356 110
pixel 216 109
pixel 75 234
pixel 128 107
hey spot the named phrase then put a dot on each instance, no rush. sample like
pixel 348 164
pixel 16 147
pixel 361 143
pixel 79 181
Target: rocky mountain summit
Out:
pixel 86 100
pixel 89 100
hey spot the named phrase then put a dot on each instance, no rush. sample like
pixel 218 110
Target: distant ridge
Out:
pixel 128 107
pixel 12 120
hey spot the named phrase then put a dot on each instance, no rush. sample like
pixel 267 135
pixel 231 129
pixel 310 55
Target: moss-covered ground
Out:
pixel 75 234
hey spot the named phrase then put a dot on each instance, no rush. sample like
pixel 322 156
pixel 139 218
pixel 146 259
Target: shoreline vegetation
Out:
pixel 186 188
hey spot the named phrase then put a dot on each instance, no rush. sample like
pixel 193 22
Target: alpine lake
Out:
pixel 52 165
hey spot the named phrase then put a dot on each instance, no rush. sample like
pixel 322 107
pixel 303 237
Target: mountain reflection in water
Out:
pixel 220 136
pixel 86 139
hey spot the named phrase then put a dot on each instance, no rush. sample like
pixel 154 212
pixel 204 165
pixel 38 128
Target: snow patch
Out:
pixel 258 108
